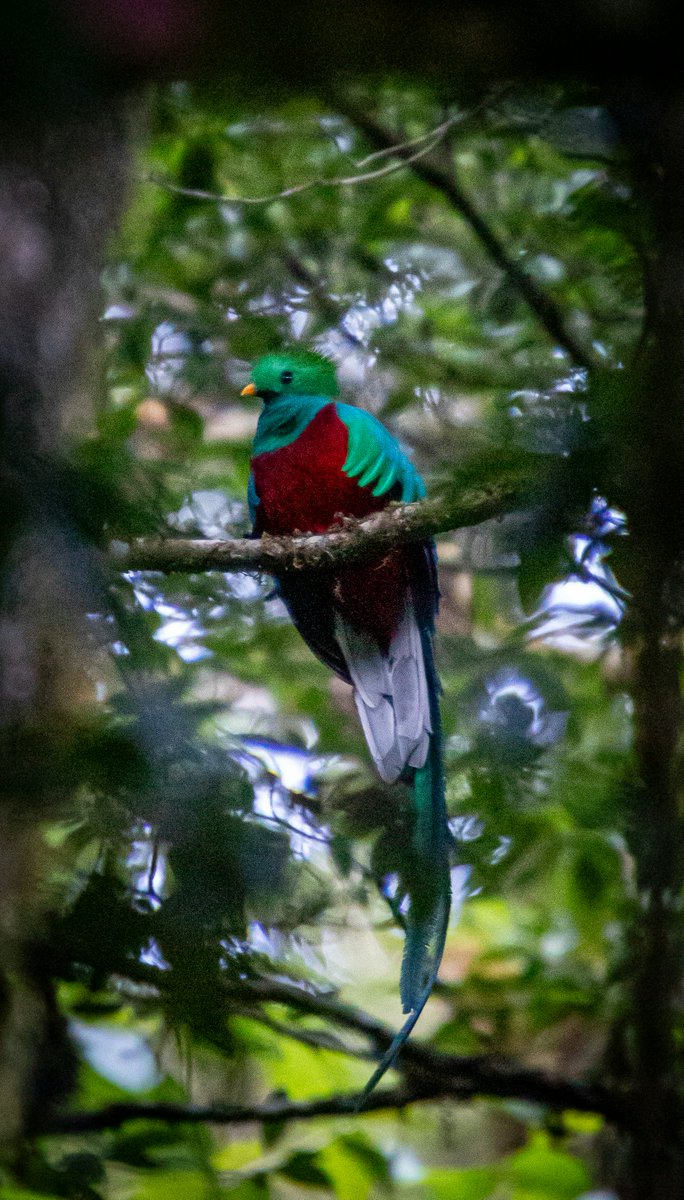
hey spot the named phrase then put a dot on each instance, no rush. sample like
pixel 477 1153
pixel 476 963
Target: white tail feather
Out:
pixel 391 694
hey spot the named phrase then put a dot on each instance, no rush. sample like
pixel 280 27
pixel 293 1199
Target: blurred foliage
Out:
pixel 227 834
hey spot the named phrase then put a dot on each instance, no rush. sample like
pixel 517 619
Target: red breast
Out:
pixel 302 487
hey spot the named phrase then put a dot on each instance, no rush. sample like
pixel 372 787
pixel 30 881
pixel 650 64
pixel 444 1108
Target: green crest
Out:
pixel 295 373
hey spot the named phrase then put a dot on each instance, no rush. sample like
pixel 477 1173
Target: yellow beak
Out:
pixel 249 390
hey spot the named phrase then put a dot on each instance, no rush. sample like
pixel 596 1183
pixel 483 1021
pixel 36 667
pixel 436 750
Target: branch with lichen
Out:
pixel 352 540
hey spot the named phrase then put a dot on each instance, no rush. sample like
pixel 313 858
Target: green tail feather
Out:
pixel 429 886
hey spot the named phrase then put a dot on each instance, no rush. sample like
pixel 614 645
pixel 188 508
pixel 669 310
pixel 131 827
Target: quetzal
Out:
pixel 313 460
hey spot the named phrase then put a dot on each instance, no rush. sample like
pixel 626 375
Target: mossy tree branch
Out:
pixel 352 541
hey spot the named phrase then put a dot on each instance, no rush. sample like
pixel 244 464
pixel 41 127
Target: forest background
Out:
pixel 199 940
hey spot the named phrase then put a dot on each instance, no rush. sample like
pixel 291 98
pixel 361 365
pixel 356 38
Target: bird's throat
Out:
pixel 284 418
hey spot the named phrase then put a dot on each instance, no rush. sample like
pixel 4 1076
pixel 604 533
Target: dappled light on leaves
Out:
pixel 228 873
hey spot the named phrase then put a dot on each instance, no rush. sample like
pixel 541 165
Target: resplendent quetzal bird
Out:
pixel 315 459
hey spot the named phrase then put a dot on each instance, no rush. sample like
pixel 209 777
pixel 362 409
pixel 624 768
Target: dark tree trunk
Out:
pixel 62 183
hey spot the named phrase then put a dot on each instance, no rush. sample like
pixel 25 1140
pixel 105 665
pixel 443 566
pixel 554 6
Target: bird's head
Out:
pixel 294 373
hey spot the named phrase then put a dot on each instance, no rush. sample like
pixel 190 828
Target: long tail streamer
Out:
pixel 430 887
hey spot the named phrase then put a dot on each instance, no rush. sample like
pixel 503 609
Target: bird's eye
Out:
pixel 286 377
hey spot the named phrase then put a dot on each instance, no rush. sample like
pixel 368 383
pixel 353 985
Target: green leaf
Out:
pixel 235 1155
pixel 173 1185
pixel 472 1183
pixel 306 1167
pixel 543 1170
pixel 355 1166
pixel 541 563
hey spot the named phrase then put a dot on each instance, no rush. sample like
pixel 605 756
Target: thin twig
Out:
pixel 388 151
pixel 458 121
pixel 298 188
pixel 317 1039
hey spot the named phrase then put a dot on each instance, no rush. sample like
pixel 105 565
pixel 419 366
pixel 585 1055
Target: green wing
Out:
pixel 252 498
pixel 375 457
